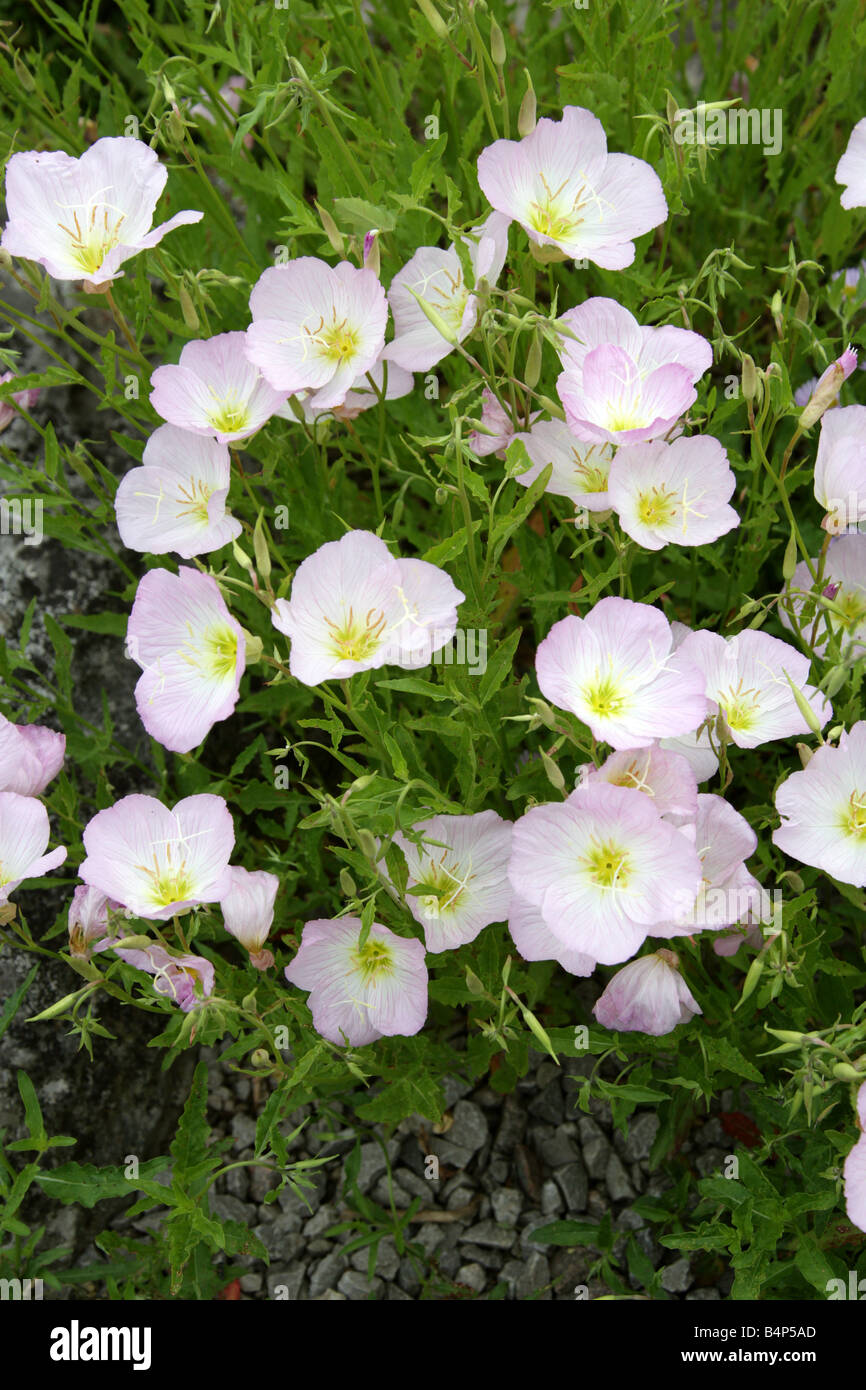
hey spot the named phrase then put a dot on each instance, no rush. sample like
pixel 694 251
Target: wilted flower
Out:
pixel 353 607
pixel 89 927
pixel 461 883
pixel 30 757
pixel 624 383
pixel 851 169
pixel 214 389
pixel 648 995
pixel 436 276
pixel 603 868
pixel 192 654
pixel 568 193
pixel 580 470
pixel 617 671
pixel 827 387
pixel 498 428
pixel 26 400
pixel 316 327
pixel 82 218
pixel 24 836
pixel 186 980
pixel 248 911
pixel 823 809
pixel 673 494
pixel 360 993
pixel 176 501
pixel 747 681
pixel 157 861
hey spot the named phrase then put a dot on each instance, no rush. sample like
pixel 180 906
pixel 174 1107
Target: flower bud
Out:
pixel 526 118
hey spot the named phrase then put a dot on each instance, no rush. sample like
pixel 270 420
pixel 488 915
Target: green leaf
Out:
pixel 725 1056
pixel 189 1145
pixel 85 1184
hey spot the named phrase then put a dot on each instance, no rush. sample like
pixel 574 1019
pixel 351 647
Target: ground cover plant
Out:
pixel 487 546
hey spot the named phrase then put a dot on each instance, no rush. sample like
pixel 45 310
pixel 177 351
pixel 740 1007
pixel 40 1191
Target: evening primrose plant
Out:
pixel 487 540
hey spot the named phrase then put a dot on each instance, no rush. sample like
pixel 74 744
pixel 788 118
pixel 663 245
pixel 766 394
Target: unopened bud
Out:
pixel 845 1072
pixel 533 363
pixel 331 231
pixel 806 753
pixel 473 984
pixel 440 496
pixel 367 842
pixel 347 883
pixel 261 548
pixel 789 561
pixel 554 776
pixel 497 44
pixel 187 308
pixel 527 117
pixel 433 18
pixel 260 1057
pixel 750 382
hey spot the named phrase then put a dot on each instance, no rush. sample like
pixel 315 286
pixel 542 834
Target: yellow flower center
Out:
pixel 228 414
pixel 605 696
pixel 373 959
pixel 221 646
pixel 590 476
pixel 854 818
pixel 169 883
pixel 740 708
pixel 609 866
pixel 93 233
pixel 194 495
pixel 339 342
pixel 553 215
pixel 657 507
pixel 354 639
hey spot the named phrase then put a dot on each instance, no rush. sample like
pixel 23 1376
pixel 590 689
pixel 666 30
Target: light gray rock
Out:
pixel 642 1130
pixel 616 1180
pixel 677 1277
pixel 573 1183
pixel 473 1276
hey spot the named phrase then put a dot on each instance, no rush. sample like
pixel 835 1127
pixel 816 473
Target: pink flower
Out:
pixel 673 494
pixel 158 862
pixel 747 681
pixel 460 876
pixel 648 995
pixel 316 327
pixel 353 607
pixel 667 778
pixel 603 868
pixel 580 470
pixel 823 809
pixel 617 671
pixel 26 400
pixel 568 193
pixel 360 993
pixel 498 428
pixel 192 653
pixel 82 218
pixel 248 911
pixel 215 390
pixel 24 835
pixel 89 925
pixel 845 583
pixel 851 169
pixel 30 757
pixel 186 980
pixel 436 276
pixel 624 383
pixel 854 1172
pixel 176 500
pixel 535 941
pixel 840 467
